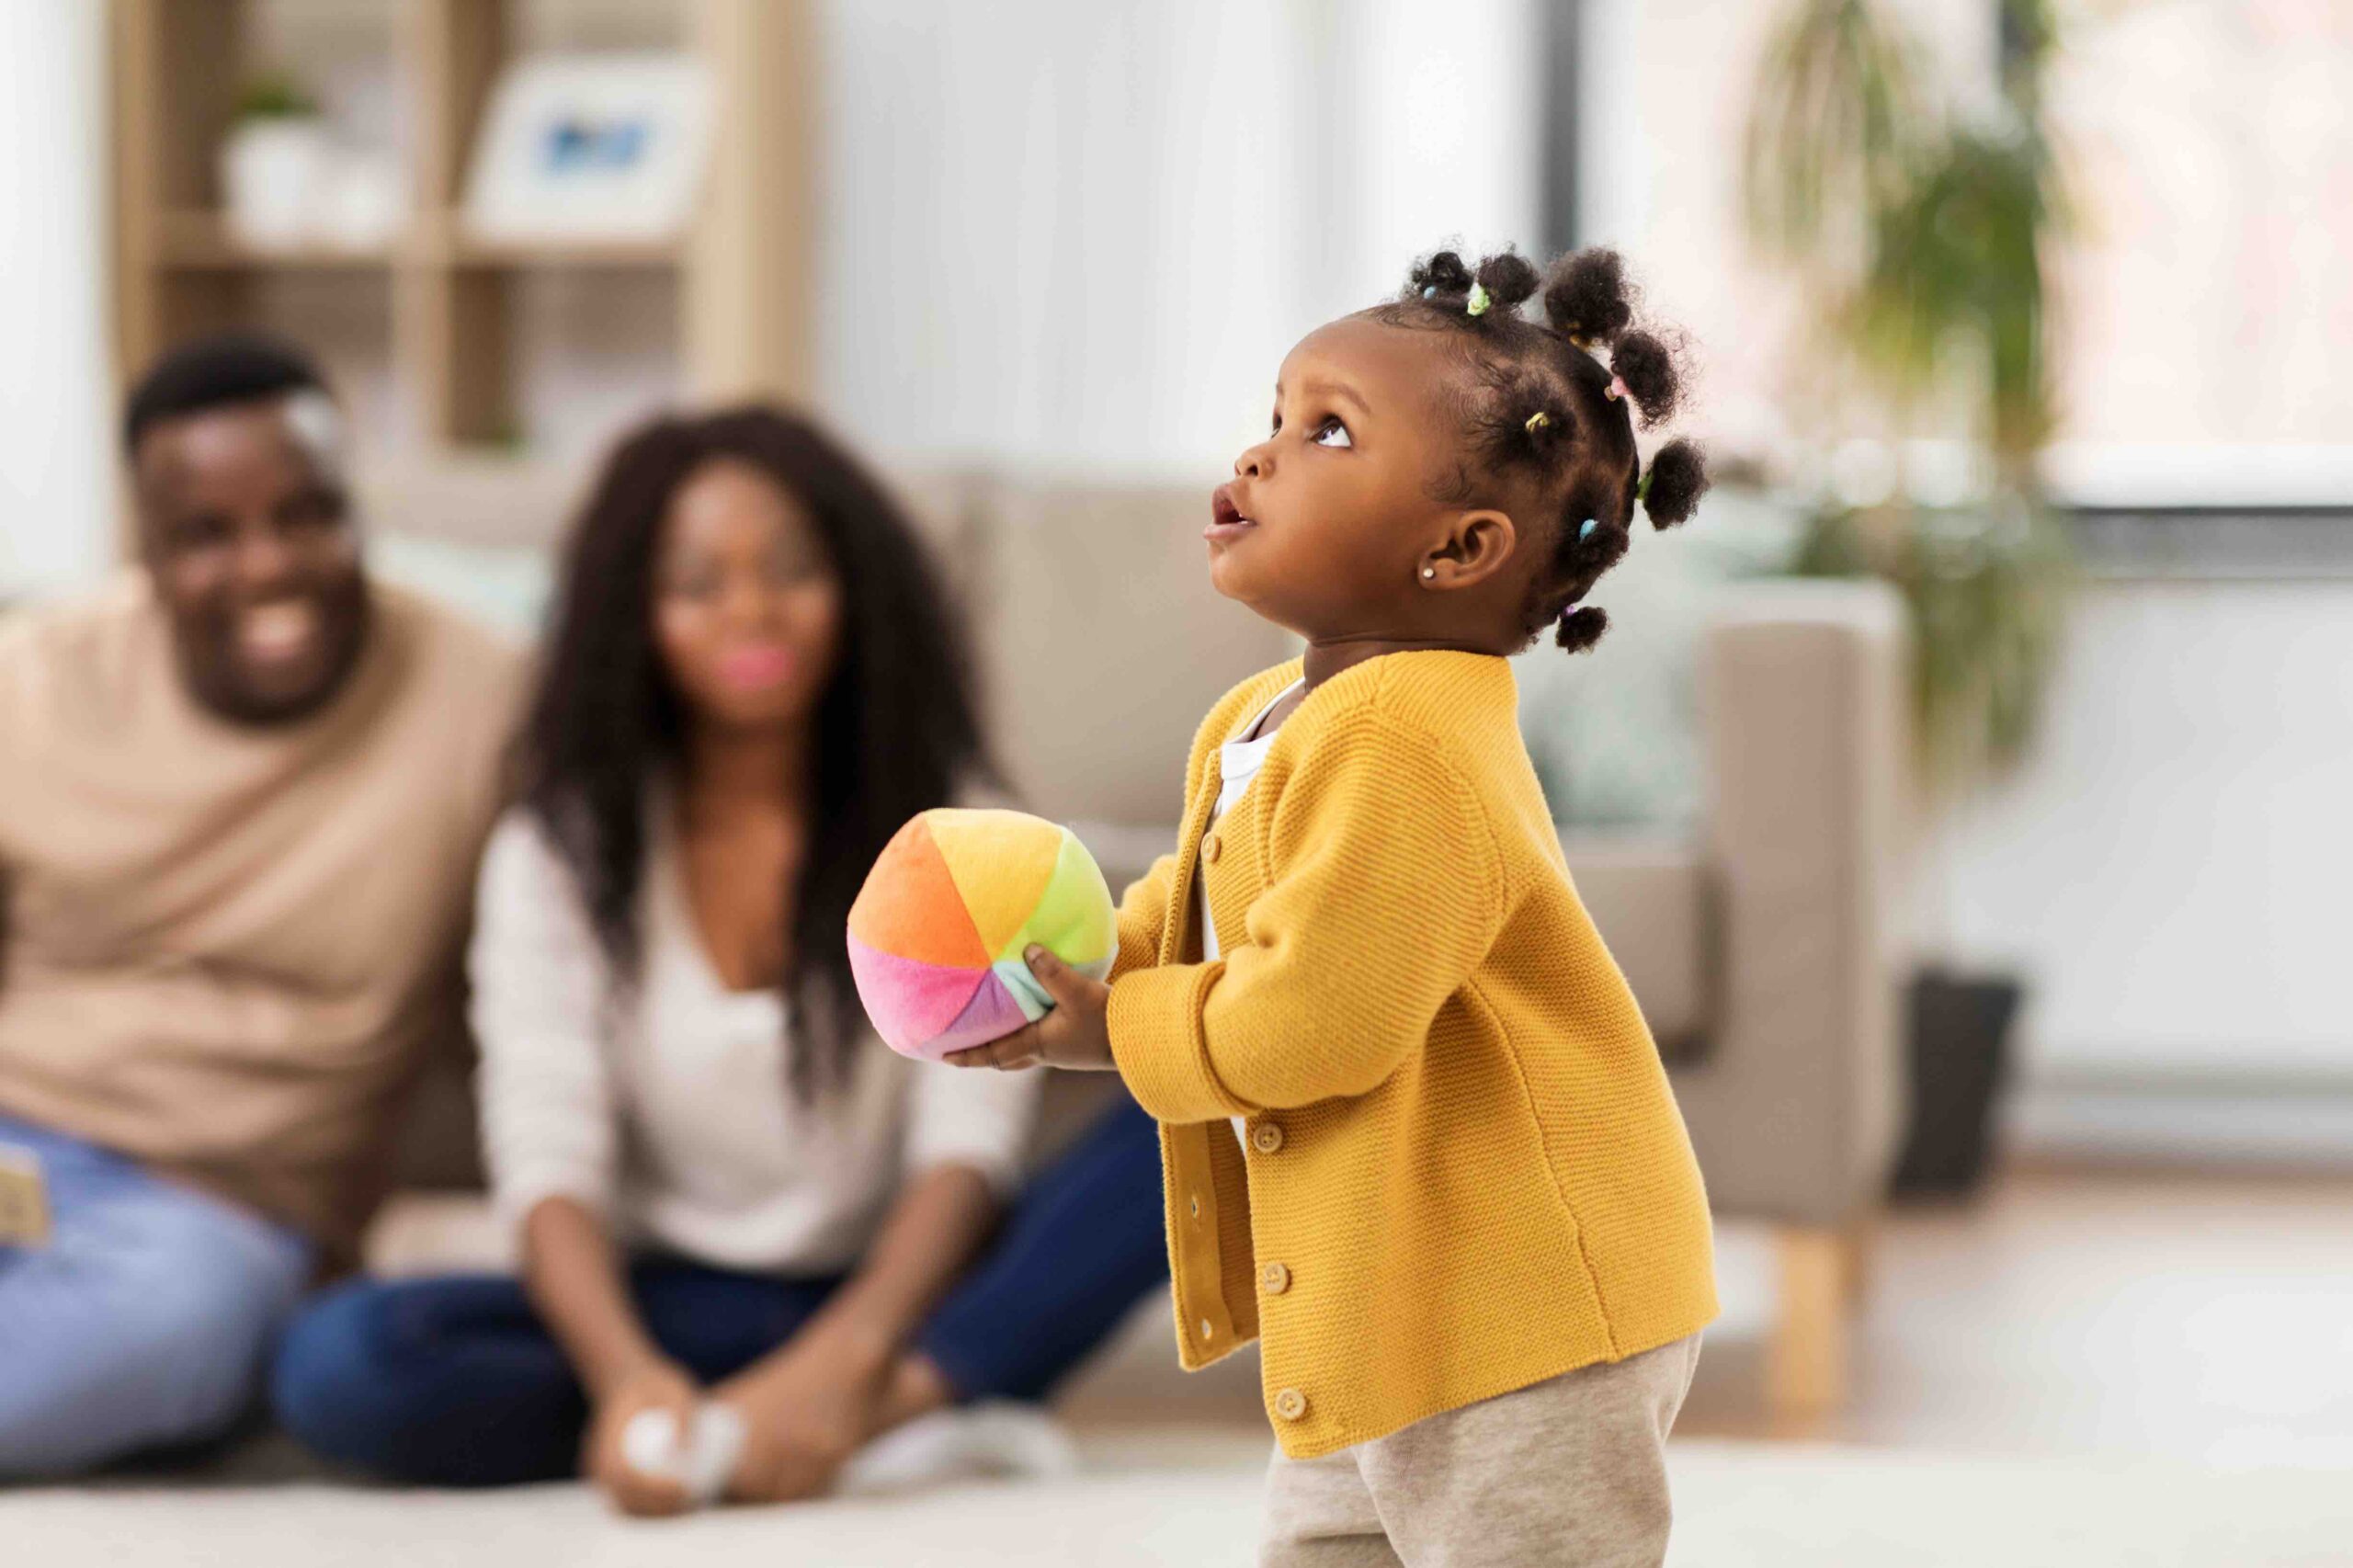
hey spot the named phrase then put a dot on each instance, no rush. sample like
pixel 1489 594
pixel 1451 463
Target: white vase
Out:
pixel 359 207
pixel 273 173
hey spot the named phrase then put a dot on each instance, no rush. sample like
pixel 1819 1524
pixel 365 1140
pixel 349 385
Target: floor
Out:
pixel 2079 1368
pixel 1737 1505
pixel 2207 1319
pixel 2203 1319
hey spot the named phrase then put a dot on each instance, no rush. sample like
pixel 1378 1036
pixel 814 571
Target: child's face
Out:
pixel 1326 524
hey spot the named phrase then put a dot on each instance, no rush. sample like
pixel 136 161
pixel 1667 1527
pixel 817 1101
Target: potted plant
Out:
pixel 274 161
pixel 1918 232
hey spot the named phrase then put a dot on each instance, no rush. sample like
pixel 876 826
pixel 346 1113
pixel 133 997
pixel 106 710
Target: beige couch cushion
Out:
pixel 1649 898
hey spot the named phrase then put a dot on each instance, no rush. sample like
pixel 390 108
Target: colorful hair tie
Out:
pixel 1537 421
pixel 1617 389
pixel 1476 305
pixel 1585 530
pixel 1429 291
pixel 1642 486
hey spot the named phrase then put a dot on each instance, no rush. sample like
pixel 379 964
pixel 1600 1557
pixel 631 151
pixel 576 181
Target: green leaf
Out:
pixel 275 94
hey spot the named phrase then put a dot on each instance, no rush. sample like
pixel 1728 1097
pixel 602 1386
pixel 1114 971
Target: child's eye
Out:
pixel 1275 426
pixel 1332 433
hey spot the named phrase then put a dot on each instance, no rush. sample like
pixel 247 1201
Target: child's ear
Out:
pixel 1474 548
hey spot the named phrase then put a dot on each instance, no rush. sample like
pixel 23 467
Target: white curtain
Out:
pixel 1078 235
pixel 56 493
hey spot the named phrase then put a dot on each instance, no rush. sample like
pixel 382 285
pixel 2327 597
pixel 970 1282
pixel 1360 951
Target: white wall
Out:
pixel 56 479
pixel 2172 867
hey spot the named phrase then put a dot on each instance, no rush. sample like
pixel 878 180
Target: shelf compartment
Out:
pixel 202 242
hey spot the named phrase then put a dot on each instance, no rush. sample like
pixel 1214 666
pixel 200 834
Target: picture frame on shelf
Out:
pixel 591 148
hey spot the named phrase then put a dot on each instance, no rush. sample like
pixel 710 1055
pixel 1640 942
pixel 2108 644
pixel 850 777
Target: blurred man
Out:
pixel 241 798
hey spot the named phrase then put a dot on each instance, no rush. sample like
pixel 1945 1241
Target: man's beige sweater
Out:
pixel 227 949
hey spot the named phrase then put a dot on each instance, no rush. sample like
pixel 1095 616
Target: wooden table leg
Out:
pixel 1806 1363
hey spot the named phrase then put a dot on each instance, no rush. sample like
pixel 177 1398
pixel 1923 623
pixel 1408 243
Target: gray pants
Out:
pixel 1569 1472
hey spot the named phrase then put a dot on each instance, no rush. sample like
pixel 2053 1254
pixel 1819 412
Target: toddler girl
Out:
pixel 1462 1212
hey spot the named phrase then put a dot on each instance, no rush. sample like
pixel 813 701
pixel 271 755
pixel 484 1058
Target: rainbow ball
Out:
pixel 939 931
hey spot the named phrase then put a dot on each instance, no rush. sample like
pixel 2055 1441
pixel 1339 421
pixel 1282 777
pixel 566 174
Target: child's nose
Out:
pixel 1255 462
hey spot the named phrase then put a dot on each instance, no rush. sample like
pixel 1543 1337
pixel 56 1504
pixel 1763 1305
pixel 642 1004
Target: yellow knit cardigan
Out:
pixel 1465 1172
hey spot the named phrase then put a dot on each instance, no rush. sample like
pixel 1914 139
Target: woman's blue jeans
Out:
pixel 454 1381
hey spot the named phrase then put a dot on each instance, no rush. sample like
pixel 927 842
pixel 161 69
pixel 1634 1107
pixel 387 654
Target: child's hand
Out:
pixel 1076 1034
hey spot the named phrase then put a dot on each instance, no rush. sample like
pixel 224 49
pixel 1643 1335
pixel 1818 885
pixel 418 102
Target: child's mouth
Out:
pixel 1226 520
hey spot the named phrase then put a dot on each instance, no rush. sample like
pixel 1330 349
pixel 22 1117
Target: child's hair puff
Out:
pixel 1588 300
pixel 1537 402
pixel 1646 364
pixel 1679 477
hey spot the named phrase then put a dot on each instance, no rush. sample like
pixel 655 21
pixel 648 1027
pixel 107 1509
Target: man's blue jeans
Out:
pixel 454 1381
pixel 147 1319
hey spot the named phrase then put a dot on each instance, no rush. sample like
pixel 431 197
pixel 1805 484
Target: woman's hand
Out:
pixel 1076 1034
pixel 808 1405
pixel 805 1412
pixel 657 1385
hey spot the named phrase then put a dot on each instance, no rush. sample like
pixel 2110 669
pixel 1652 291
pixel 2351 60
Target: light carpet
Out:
pixel 1738 1505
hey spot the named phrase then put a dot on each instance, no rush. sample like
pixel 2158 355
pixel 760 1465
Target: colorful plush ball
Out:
pixel 939 931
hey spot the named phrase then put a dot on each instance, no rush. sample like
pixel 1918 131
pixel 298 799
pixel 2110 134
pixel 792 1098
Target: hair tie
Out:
pixel 1642 485
pixel 1585 530
pixel 1617 389
pixel 1537 421
pixel 1429 291
pixel 1476 305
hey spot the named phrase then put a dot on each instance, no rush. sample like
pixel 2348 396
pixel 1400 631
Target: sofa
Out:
pixel 1757 939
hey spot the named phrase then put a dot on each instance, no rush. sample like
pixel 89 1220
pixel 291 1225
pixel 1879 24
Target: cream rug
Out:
pixel 1739 1505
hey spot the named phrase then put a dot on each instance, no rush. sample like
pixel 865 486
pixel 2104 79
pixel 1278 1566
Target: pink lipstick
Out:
pixel 754 668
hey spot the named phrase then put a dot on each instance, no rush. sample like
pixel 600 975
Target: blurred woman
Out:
pixel 726 1188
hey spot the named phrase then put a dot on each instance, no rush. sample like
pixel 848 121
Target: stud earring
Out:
pixel 1427 573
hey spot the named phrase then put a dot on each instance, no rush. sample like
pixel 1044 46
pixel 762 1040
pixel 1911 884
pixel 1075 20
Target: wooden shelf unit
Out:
pixel 742 267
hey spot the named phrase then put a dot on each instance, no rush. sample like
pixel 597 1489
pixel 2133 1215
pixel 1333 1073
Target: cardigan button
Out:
pixel 1267 1137
pixel 1275 1279
pixel 1290 1404
pixel 1212 847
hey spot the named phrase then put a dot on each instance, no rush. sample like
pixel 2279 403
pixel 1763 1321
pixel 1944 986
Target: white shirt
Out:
pixel 1238 765
pixel 666 1107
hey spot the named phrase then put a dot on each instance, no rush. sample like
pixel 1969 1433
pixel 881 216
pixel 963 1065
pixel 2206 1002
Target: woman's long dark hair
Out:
pixel 897 731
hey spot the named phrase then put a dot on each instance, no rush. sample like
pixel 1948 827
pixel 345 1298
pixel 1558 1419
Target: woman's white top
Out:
pixel 666 1106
